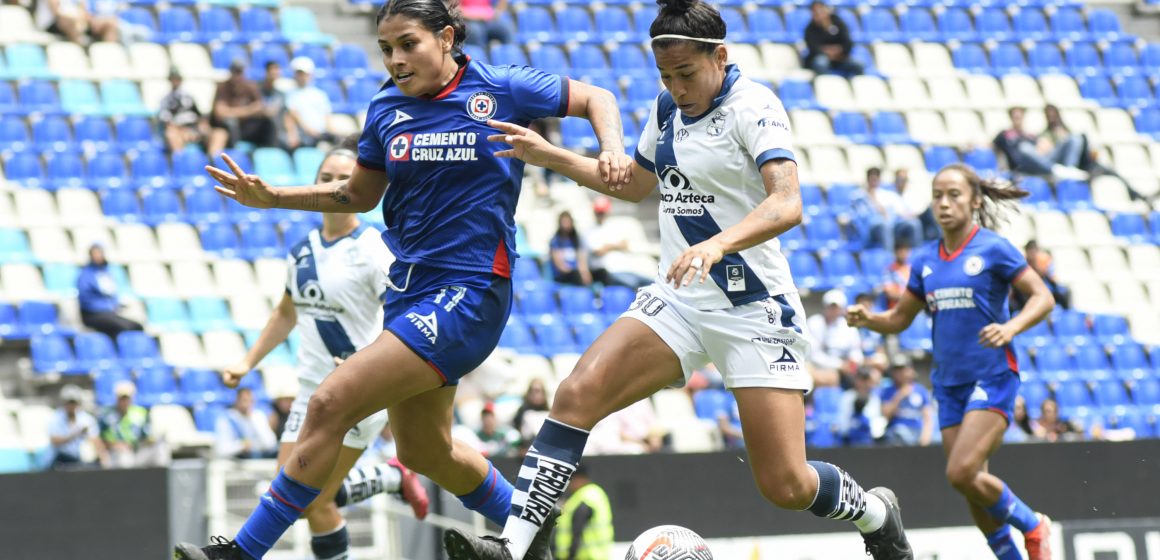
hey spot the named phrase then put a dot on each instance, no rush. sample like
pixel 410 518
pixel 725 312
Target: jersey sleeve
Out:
pixel 1007 261
pixel 914 284
pixel 371 153
pixel 538 94
pixel 763 128
pixel 646 147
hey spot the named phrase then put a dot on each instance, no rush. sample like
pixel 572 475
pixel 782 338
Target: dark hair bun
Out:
pixel 677 5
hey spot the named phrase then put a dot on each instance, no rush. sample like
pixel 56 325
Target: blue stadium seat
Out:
pixel 615 300
pixel 813 199
pixel 629 60
pixel 1045 59
pixel 1130 225
pixel 156 385
pixel 351 60
pixel 1121 58
pixel 40 318
pixel 141 20
pixel 840 196
pixel 1150 57
pixel 879 25
pixel 588 60
pixel 555 338
pixel 1006 58
pixel 136 133
pixel 578 135
pixel 1029 23
pixel 209 314
pixel 150 170
pixel 1071 394
pixel 27 61
pixel 1070 327
pixel 202 386
pixel 318 54
pixel 1110 329
pixel 767 25
pixel 874 264
pixel 1083 60
pixel 853 126
pixel 1103 24
pixel 796 21
pixel 917 23
pixel 205 416
pixel 1134 92
pixel 105 382
pixel 1067 24
pixel 307 160
pixel 970 57
pixel 982 159
pixel 1092 362
pixel 52 134
pixel 121 204
pixel 95 351
pixel 334 92
pixel 710 404
pixel 890 128
pixel 60 279
pixel 167 314
pixel 642 18
pixel 550 59
pixel 107 171
pixel 505 54
pixel 38 96
pixel 257 24
pixel 10 327
pixel 122 97
pixel 917 335
pixel 797 94
pixel 537 303
pixel 853 23
pixel 1034 393
pixel 221 56
pixel 1074 195
pixel 573 24
pixel 1036 336
pixel 176 25
pixel 576 300
pixel 642 92
pixel 360 92
pixel 52 354
pixel 14 136
pixel 476 53
pixel 840 268
pixel 824 232
pixel 1111 392
pixel 1098 89
pixel 94 133
pixel 1146 392
pixel 736 25
pixel 1130 362
pixel 519 338
pixel 938 157
pixel 161 206
pixel 14 246
pixel 1148 122
pixel 189 168
pixel 137 349
pixel 217 24
pixel 612 24
pixel 954 24
pixel 794 238
pixel 298 25
pixel 1053 361
pixel 534 24
pixel 1154 220
pixel 1041 194
pixel 806 272
pixel 65 170
pixel 259 57
pixel 992 24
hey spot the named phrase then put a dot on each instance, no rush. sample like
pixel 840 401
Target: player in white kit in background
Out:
pixel 336 281
pixel 720 146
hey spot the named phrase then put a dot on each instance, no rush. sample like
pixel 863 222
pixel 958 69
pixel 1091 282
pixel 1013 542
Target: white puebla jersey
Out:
pixel 709 180
pixel 337 290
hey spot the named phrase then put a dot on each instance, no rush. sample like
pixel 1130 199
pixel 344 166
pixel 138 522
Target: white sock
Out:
pixel 364 482
pixel 874 517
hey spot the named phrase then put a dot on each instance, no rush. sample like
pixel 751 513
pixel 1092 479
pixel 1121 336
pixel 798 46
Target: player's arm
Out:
pixel 927 425
pixel 358 194
pixel 598 105
pixel 892 321
pixel 276 331
pixel 1039 304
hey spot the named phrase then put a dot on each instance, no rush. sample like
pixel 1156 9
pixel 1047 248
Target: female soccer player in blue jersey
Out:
pixel 721 148
pixel 964 279
pixel 449 213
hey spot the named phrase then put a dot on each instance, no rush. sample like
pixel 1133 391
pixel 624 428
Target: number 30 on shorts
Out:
pixel 648 304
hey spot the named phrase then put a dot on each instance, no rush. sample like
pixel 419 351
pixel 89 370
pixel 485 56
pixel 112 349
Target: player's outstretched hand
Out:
pixel 996 335
pixel 857 316
pixel 233 375
pixel 697 259
pixel 615 169
pixel 526 144
pixel 246 188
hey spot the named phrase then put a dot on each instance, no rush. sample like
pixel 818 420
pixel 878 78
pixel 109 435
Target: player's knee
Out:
pixel 793 492
pixel 325 410
pixel 578 402
pixel 961 475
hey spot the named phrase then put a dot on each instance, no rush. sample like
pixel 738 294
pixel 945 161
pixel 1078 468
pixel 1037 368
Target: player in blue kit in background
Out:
pixel 449 212
pixel 964 279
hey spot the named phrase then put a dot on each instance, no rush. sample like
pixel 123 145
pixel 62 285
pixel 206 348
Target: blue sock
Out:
pixel 492 498
pixel 1002 545
pixel 334 545
pixel 839 496
pixel 1010 509
pixel 278 509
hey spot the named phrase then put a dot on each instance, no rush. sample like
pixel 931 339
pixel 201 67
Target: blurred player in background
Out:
pixel 720 145
pixel 335 277
pixel 450 222
pixel 963 280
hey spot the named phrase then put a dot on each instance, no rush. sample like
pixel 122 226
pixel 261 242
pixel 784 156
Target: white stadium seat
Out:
pixel 910 93
pixel 1061 90
pixel 192 279
pixel 1021 90
pixel 1115 125
pixel 34 421
pixel 179 242
pixel 995 121
pixel 153 91
pixel 9 430
pixel 1110 194
pixel 834 93
pixel 1090 296
pixel 1145 325
pixel 1053 229
pixel 136 242
pixel 1131 159
pixel 69 60
pixel 1093 228
pixel 872 93
pixel 235 277
pixel 780 60
pixel 894 60
pixel 965 128
pixel 1017 228
pixel 1108 263
pixel 79 207
pixel 1154 294
pixel 695 436
pixel 20 282
pixel 563 364
pixel 748 59
pixel 530 366
pixel 181 349
pixel 193 61
pixel 149 61
pixel 249 312
pixel 271 276
pixel 947 93
pixel 35 207
pixel 862 157
pixel 280 380
pixel 984 92
pixel 835 169
pixel 227 348
pixel 173 424
pixel 902 156
pixel 812 127
pixel 151 279
pixel 87 236
pixel 1154 149
pixel 16 26
pixel 1127 295
pixel 7 209
pixel 927 127
pixel 673 405
pixel 202 92
pixel 52 244
pixel 933 60
pixel 110 61
pixel 1079 120
pixel 1144 260
pixel 805 171
pixel 1070 263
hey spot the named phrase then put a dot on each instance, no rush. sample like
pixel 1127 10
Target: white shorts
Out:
pixel 359 437
pixel 760 344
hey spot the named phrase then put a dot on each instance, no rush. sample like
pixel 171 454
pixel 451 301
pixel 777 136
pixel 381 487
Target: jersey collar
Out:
pixel 362 226
pixel 942 249
pixel 731 76
pixel 454 83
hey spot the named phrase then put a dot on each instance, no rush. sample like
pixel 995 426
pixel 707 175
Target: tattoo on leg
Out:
pixel 302 461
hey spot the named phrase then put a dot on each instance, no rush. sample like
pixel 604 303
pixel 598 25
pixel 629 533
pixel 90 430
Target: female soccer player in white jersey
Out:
pixel 335 279
pixel 450 216
pixel 720 146
pixel 963 280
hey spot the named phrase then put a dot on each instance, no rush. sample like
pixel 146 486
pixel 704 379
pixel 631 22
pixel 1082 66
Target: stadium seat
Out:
pixel 578 135
pixel 275 165
pixel 1146 392
pixel 1092 362
pixel 1029 23
pixel 767 25
pixel 217 24
pixel 1110 329
pixel 797 94
pixel 66 170
pixel 160 206
pixel 95 351
pixel 1111 392
pixel 1150 57
pixel 257 24
pixel 107 171
pixel 1045 58
pixel 1070 327
pixel 992 24
pixel 167 314
pixel 27 61
pixel 629 60
pixel 840 269
pixel 224 55
pixel 1120 58
pixel 1034 393
pixel 60 279
pixel 176 24
pixel 259 240
pixel 1054 362
pixel 1103 24
pixel 573 24
pixel 807 273
pixel 917 335
pixel 555 338
pixel 267 53
pixel 1148 122
pixel 615 300
pixel 52 354
pixel 613 24
pixel 853 126
pixel 550 58
pixel 10 327
pixel 824 232
pixel 519 338
pixel 137 350
pixel 208 314
pixel 1134 92
pixel 298 25
pixel 37 96
pixel 1006 58
pixel 1130 362
pixel 917 23
pixel 156 385
pixel 1073 195
pixel 122 97
pixel 1072 394
pixel 576 300
pixel 534 23
pixel 14 134
pixel 937 157
pixel 189 168
pixel 136 133
pixel 93 133
pixel 508 54
pixel 105 382
pixel 1130 226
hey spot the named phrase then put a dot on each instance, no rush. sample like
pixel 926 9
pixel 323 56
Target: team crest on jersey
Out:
pixel 735 278
pixel 481 105
pixel 716 124
pixel 973 265
pixel 682 134
pixel 399 149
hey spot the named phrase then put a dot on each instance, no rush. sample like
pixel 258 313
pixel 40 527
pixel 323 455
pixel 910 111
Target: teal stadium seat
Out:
pixel 275 166
pixel 306 163
pixel 79 97
pixel 27 61
pixel 299 26
pixel 14 247
pixel 122 97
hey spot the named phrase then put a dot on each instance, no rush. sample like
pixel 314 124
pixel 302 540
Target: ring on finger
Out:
pixel 697 263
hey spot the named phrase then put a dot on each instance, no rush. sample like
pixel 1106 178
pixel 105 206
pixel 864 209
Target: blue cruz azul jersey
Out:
pixel 964 292
pixel 451 202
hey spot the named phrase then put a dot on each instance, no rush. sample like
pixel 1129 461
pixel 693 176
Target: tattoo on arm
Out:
pixel 340 195
pixel 782 179
pixel 610 139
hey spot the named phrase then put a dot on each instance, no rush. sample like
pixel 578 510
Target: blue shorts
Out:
pixel 450 318
pixel 996 393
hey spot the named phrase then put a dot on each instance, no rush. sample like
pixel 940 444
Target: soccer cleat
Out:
pixel 462 546
pixel 411 489
pixel 220 548
pixel 889 541
pixel 1038 540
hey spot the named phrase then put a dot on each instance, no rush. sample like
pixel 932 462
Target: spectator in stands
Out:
pixel 483 22
pixel 180 120
pixel 1050 427
pixel 837 347
pixel 897 274
pixel 872 342
pixel 125 432
pixel 569 254
pixel 907 407
pixel 1020 429
pixel 828 43
pixel 584 530
pixel 308 105
pixel 73 20
pixel 1040 261
pixel 275 101
pixel 881 217
pixel 495 440
pixel 70 428
pixel 239 109
pixel 1022 152
pixel 860 419
pixel 244 432
pixel 97 295
pixel 533 411
pixel 1056 133
pixel 281 413
pixel 608 245
pixel 929 227
pixel 632 430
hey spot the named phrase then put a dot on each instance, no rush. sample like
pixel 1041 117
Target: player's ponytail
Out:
pixel 434 15
pixel 998 196
pixel 694 21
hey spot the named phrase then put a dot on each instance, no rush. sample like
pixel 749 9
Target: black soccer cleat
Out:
pixel 889 541
pixel 220 548
pixel 462 546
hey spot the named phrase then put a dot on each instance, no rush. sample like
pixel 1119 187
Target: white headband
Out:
pixel 687 38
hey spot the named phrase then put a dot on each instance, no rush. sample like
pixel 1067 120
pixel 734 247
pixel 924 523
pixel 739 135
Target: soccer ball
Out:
pixel 669 542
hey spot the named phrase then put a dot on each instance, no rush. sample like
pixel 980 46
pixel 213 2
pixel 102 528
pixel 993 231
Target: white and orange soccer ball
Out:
pixel 669 542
